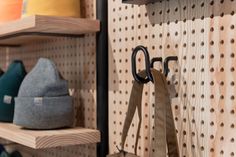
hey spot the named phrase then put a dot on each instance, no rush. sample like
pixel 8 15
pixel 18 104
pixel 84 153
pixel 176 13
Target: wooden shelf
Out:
pixel 38 27
pixel 38 139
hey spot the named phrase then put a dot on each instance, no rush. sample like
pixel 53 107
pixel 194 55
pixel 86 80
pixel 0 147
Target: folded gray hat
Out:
pixel 43 101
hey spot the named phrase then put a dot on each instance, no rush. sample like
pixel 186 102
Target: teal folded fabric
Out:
pixel 2 149
pixel 4 154
pixel 13 154
pixel 10 83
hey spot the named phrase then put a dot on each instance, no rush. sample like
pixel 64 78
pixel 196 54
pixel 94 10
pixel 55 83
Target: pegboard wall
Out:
pixel 202 34
pixel 76 60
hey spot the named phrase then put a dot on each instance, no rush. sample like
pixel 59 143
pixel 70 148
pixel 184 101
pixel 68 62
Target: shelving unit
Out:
pixel 37 27
pixel 38 139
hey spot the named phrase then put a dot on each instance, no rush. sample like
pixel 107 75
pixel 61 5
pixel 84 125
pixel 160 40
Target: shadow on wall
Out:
pixel 184 10
pixel 113 76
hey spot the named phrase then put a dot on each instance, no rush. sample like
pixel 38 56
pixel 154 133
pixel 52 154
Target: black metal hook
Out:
pixel 147 65
pixel 156 59
pixel 166 64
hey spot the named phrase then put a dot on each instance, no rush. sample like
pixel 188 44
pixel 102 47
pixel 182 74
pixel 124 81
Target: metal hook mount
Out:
pixel 149 65
pixel 166 64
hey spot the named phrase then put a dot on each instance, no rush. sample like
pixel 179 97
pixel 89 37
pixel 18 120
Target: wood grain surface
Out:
pixel 12 32
pixel 202 34
pixel 48 138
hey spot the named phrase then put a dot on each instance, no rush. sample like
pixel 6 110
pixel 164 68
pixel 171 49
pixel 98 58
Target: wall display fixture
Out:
pixel 71 44
pixel 202 83
pixel 191 43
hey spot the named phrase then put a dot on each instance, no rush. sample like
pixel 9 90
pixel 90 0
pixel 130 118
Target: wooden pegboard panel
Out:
pixel 202 34
pixel 76 60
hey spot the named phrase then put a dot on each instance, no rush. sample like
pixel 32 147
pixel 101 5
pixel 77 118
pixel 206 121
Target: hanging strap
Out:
pixel 134 102
pixel 164 129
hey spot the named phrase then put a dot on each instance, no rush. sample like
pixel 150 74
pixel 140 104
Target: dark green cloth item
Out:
pixel 10 83
pixel 4 154
pixel 16 154
pixel 1 72
pixel 13 154
pixel 2 149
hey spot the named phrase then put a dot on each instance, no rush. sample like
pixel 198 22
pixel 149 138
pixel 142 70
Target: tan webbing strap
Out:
pixel 134 101
pixel 164 129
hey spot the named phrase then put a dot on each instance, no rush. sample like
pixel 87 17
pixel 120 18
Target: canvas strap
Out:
pixel 164 130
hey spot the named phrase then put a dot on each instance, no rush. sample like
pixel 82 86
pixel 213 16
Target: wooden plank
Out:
pixel 20 40
pixel 45 24
pixel 38 139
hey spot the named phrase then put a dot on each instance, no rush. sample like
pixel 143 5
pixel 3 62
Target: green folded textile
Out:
pixel 10 83
pixel 4 154
pixel 2 148
pixel 13 154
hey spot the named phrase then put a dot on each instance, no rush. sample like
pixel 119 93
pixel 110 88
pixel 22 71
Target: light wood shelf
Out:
pixel 39 139
pixel 39 27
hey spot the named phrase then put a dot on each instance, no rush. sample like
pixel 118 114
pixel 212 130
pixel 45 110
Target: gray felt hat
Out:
pixel 43 100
